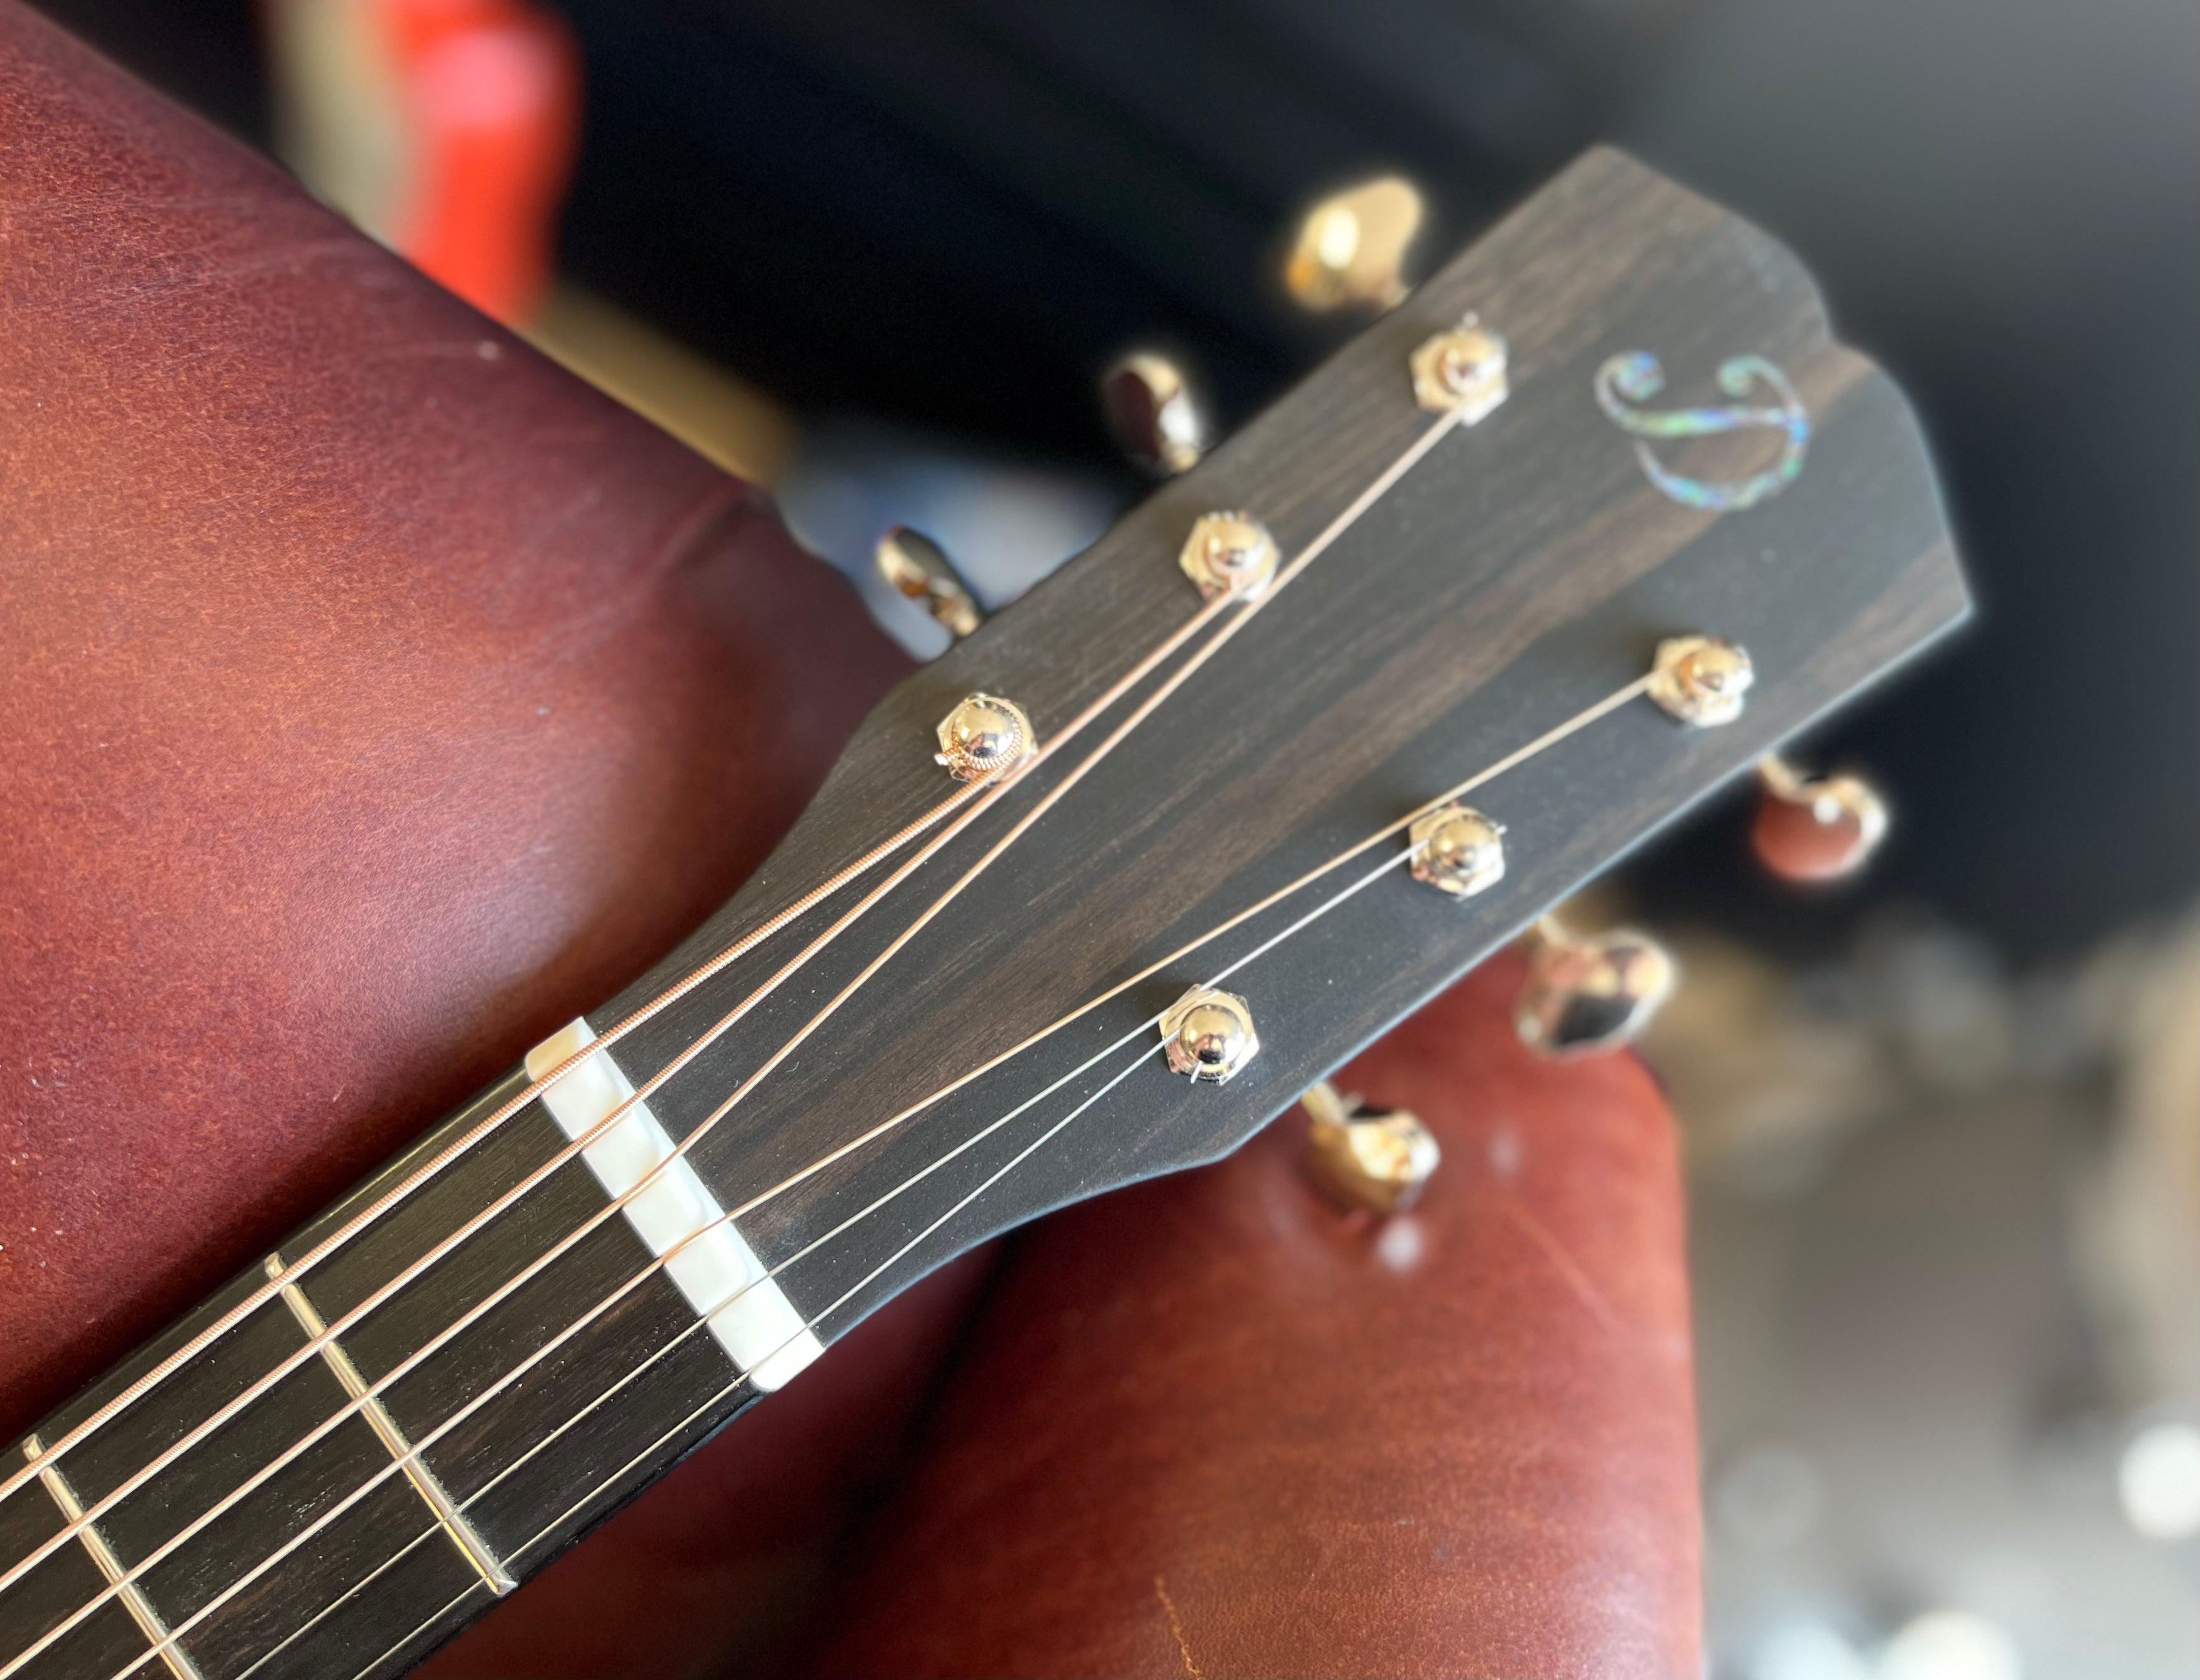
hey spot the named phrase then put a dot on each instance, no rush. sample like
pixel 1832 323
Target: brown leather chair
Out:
pixel 376 697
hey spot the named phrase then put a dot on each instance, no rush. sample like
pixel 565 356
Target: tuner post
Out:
pixel 1457 849
pixel 1701 680
pixel 1208 1035
pixel 985 735
pixel 1229 554
pixel 1461 371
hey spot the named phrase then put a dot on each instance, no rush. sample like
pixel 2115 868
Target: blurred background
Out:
pixel 1943 1122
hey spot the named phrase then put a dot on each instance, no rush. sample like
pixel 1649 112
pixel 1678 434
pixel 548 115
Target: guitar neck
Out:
pixel 426 1395
pixel 399 1517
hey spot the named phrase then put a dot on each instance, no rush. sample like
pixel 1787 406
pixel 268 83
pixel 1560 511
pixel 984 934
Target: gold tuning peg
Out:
pixel 918 568
pixel 1152 414
pixel 1810 829
pixel 1351 246
pixel 1586 995
pixel 1364 1158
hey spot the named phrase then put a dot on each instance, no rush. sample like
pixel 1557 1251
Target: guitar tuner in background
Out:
pixel 1587 994
pixel 1810 829
pixel 1350 248
pixel 1155 413
pixel 1376 1161
pixel 917 569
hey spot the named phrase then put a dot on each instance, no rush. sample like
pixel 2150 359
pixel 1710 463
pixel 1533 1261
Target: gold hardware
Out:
pixel 1209 1035
pixel 1586 995
pixel 1815 828
pixel 1152 414
pixel 1229 554
pixel 1463 368
pixel 1351 246
pixel 983 735
pixel 1380 1161
pixel 918 568
pixel 1701 680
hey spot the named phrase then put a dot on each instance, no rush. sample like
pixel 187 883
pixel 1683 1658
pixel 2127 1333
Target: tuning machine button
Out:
pixel 1585 995
pixel 1153 413
pixel 1377 1160
pixel 1351 246
pixel 1814 828
pixel 918 568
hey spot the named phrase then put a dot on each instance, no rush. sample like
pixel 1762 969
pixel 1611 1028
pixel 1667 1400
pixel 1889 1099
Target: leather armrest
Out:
pixel 377 696
pixel 1211 1425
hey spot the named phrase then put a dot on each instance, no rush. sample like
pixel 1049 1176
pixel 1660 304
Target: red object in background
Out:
pixel 445 128
pixel 494 89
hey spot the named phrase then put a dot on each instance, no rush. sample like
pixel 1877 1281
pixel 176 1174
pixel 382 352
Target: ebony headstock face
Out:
pixel 1681 448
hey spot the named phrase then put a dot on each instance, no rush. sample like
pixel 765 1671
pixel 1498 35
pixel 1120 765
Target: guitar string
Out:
pixel 485 1488
pixel 1429 436
pixel 307 1352
pixel 1380 486
pixel 563 1517
pixel 611 1393
pixel 1542 742
pixel 141 1386
pixel 1550 737
pixel 682 1337
pixel 332 1331
pixel 1343 521
pixel 420 1354
pixel 52 1450
pixel 702 1320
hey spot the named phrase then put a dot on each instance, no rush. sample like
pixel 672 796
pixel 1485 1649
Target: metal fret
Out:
pixel 470 1545
pixel 132 1595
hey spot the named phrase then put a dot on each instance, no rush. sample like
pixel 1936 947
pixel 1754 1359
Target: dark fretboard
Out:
pixel 347 1556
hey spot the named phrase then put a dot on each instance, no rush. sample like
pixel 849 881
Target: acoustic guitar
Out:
pixel 1577 532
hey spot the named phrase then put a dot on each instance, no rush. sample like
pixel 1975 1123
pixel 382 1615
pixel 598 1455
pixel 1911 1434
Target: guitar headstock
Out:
pixel 1676 447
